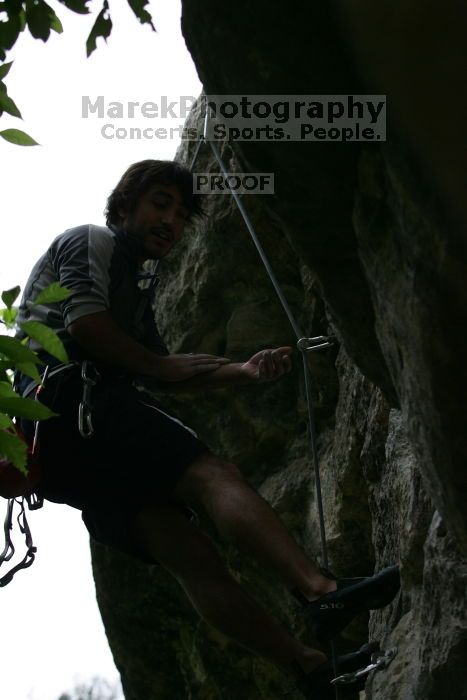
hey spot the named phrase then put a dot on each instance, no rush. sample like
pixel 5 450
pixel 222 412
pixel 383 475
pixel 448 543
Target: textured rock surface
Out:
pixel 365 248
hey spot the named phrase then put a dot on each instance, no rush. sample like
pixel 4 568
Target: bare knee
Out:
pixel 173 541
pixel 205 474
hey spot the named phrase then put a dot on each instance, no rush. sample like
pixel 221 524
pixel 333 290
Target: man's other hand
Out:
pixel 267 365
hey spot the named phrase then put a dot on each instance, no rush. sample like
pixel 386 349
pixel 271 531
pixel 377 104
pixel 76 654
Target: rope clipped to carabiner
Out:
pixel 379 659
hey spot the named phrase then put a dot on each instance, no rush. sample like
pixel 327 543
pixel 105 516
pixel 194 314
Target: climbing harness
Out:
pixel 379 659
pixel 33 501
pixel 89 376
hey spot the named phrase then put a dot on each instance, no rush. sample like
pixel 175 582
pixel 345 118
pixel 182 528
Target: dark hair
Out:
pixel 141 176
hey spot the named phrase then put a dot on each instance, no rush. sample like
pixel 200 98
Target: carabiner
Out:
pixel 85 426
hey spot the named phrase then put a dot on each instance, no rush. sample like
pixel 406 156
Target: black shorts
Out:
pixel 135 457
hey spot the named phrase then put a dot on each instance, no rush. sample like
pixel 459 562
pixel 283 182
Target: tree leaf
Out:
pixel 5 69
pixel 28 369
pixel 19 138
pixel 138 7
pixel 15 450
pixel 47 338
pixel 5 421
pixel 39 17
pixel 13 349
pixel 6 391
pixel 54 292
pixel 9 296
pixel 79 6
pixel 56 25
pixel 102 27
pixel 7 105
pixel 10 30
pixel 6 364
pixel 25 408
pixel 9 316
pixel 13 7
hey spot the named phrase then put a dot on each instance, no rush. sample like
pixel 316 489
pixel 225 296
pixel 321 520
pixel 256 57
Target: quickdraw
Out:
pixel 379 659
pixel 85 426
pixel 34 503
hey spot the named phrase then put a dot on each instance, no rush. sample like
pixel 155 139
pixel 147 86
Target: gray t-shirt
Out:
pixel 99 265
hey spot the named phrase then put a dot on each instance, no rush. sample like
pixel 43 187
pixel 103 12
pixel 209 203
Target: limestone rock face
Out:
pixel 365 247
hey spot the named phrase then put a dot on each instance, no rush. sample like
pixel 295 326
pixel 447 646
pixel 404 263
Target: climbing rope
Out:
pixel 304 345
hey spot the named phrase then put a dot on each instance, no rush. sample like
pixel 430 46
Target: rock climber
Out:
pixel 137 473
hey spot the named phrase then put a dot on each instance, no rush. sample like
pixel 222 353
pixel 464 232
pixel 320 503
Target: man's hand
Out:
pixel 267 365
pixel 205 372
pixel 103 339
pixel 176 368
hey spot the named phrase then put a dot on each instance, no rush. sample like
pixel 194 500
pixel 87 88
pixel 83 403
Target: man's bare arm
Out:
pixel 264 366
pixel 103 339
pixel 230 375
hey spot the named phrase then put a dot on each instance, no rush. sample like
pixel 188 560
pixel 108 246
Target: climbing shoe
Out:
pixel 329 614
pixel 316 685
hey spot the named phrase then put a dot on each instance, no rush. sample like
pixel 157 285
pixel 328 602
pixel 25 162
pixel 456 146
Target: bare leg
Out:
pixel 189 554
pixel 246 519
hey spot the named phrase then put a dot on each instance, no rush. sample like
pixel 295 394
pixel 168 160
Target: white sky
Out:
pixel 51 632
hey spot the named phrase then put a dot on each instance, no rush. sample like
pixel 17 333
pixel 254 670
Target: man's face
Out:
pixel 158 220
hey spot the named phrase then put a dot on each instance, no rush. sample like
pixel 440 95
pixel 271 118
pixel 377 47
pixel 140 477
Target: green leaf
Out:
pixel 79 6
pixel 9 316
pixel 25 408
pixel 29 370
pixel 56 25
pixel 6 391
pixel 13 349
pixel 54 292
pixel 10 30
pixel 13 7
pixel 40 18
pixel 7 105
pixel 15 450
pixel 138 7
pixel 9 296
pixel 5 69
pixel 5 421
pixel 4 365
pixel 102 27
pixel 47 338
pixel 19 138
pixel 2 86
